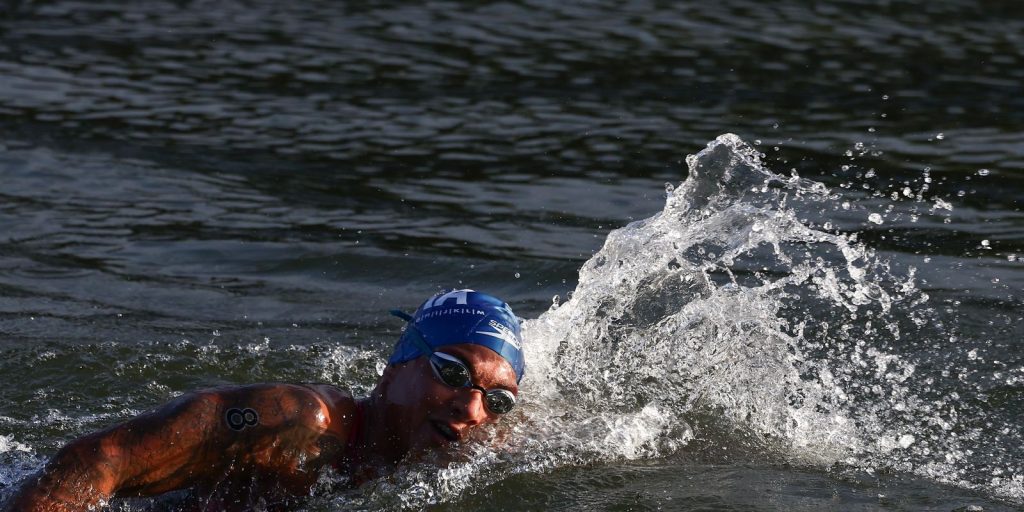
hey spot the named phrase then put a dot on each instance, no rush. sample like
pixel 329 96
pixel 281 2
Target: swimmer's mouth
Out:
pixel 447 432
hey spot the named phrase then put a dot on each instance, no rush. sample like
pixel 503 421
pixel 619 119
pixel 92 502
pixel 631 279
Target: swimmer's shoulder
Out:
pixel 339 408
pixel 322 407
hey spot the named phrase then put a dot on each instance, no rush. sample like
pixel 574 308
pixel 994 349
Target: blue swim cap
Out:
pixel 462 316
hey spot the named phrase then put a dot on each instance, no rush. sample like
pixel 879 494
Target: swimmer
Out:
pixel 456 367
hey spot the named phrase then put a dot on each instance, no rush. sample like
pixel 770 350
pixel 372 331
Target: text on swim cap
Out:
pixel 460 296
pixel 502 333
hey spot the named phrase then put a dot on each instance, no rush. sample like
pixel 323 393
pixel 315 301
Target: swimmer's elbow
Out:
pixel 81 476
pixel 153 452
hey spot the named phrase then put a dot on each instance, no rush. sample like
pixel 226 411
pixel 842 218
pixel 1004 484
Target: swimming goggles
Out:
pixel 454 372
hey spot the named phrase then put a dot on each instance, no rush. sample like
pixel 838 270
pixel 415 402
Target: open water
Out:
pixel 820 312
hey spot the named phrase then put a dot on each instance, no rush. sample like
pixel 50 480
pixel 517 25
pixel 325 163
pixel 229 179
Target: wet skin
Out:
pixel 265 445
pixel 423 412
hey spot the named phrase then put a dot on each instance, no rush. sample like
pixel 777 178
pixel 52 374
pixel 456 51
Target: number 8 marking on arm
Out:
pixel 239 419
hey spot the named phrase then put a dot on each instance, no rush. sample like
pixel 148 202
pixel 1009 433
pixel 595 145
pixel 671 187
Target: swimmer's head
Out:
pixel 462 316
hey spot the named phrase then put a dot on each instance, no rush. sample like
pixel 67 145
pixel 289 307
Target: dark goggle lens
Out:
pixel 499 401
pixel 452 373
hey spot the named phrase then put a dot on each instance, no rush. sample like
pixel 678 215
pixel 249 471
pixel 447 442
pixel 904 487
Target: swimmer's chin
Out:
pixel 443 452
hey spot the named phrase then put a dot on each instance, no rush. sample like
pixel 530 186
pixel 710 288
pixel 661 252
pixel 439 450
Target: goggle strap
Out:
pixel 401 314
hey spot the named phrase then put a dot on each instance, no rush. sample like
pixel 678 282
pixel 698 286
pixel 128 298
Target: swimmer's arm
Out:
pixel 162 450
pixel 188 442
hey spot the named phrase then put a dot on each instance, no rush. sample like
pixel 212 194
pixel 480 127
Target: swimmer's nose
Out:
pixel 468 407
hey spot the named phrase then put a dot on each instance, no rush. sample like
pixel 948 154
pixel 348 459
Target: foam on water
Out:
pixel 17 461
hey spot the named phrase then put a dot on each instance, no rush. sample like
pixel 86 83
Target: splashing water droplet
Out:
pixel 875 218
pixel 730 288
pixel 983 172
pixel 940 136
pixel 518 275
pixel 906 440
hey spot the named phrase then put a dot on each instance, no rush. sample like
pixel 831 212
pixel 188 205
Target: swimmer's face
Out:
pixel 424 412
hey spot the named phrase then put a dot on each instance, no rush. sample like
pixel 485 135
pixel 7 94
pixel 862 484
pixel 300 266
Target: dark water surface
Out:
pixel 199 193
